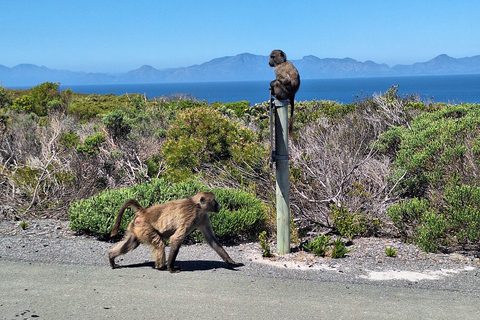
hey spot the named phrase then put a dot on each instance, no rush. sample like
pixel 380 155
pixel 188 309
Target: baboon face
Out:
pixel 277 57
pixel 207 202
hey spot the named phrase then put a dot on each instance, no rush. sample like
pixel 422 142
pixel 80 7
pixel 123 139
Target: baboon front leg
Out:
pixel 210 238
pixel 175 243
pixel 128 243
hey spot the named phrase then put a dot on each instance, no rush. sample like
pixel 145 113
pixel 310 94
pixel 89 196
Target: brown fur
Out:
pixel 173 220
pixel 287 80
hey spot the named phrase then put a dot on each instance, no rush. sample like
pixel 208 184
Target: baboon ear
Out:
pixel 202 200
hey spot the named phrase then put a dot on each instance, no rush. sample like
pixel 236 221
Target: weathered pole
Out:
pixel 282 176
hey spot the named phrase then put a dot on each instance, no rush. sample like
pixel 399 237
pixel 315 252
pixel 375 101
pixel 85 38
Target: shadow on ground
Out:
pixel 191 265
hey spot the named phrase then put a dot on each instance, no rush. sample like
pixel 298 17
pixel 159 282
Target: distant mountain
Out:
pixel 242 67
pixel 440 65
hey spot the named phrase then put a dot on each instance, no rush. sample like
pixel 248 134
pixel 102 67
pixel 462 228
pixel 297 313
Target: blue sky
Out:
pixel 119 36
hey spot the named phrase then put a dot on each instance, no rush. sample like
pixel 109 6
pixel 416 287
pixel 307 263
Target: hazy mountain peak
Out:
pixel 241 67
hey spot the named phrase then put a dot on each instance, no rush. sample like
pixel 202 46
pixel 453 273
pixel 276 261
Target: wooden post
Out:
pixel 282 176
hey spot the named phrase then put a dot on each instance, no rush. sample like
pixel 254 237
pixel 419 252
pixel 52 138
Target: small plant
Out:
pixel 92 144
pixel 319 246
pixel 23 224
pixel 266 253
pixel 390 252
pixel 339 249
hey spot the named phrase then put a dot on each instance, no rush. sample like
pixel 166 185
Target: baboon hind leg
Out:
pixel 128 243
pixel 158 251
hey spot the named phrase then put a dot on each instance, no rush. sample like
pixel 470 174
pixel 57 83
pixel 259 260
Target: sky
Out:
pixel 118 36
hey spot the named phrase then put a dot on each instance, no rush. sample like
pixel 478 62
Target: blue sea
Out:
pixel 451 89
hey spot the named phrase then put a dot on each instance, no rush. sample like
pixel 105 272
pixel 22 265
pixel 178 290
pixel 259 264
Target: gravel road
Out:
pixel 49 242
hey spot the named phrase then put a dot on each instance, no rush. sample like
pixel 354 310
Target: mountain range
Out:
pixel 242 67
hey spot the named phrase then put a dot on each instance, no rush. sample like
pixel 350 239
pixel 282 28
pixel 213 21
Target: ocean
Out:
pixel 450 89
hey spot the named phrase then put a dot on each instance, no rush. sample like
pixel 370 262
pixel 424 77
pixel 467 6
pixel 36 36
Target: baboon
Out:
pixel 287 80
pixel 172 220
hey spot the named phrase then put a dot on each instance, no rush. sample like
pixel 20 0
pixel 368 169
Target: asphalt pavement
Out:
pixel 77 291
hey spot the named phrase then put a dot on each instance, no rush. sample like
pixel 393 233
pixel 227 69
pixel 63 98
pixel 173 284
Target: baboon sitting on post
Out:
pixel 173 220
pixel 287 81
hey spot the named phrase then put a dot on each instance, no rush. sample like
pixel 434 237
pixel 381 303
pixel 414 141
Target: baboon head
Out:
pixel 206 202
pixel 277 57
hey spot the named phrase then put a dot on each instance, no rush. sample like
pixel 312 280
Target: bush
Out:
pixel 319 246
pixel 437 159
pixel 241 216
pixel 390 252
pixel 92 144
pixel 350 224
pixel 202 136
pixel 5 98
pixel 40 99
pixel 339 249
pixel 266 253
pixel 118 125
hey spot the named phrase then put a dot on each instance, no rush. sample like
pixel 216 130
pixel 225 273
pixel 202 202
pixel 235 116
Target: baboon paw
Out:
pixel 162 268
pixel 232 263
pixel 174 269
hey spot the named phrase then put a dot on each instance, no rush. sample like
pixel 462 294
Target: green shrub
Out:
pixel 87 107
pixel 92 144
pixel 406 215
pixel 437 148
pixel 437 159
pixel 323 244
pixel 153 165
pixel 266 253
pixel 462 212
pixel 117 124
pixel 339 249
pixel 69 139
pixel 350 224
pixel 5 98
pixel 241 216
pixel 319 246
pixel 390 252
pixel 203 136
pixel 431 232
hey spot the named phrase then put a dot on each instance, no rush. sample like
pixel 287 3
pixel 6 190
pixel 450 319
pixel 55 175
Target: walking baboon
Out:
pixel 287 80
pixel 173 220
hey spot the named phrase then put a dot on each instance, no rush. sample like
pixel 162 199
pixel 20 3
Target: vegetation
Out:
pixel 242 215
pixel 266 253
pixel 323 246
pixel 390 252
pixel 385 165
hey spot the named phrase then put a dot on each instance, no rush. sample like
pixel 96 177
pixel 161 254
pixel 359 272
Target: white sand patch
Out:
pixel 298 263
pixel 413 276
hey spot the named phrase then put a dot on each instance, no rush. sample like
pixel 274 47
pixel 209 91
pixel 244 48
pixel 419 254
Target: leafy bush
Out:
pixel 87 107
pixel 319 246
pixel 350 224
pixel 91 144
pixel 5 98
pixel 69 139
pixel 39 99
pixel 242 215
pixel 437 160
pixel 266 253
pixel 339 249
pixel 202 136
pixel 322 245
pixel 390 252
pixel 437 148
pixel 118 125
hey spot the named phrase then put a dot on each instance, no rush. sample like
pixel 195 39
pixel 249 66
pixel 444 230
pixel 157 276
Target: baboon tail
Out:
pixel 136 207
pixel 290 122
